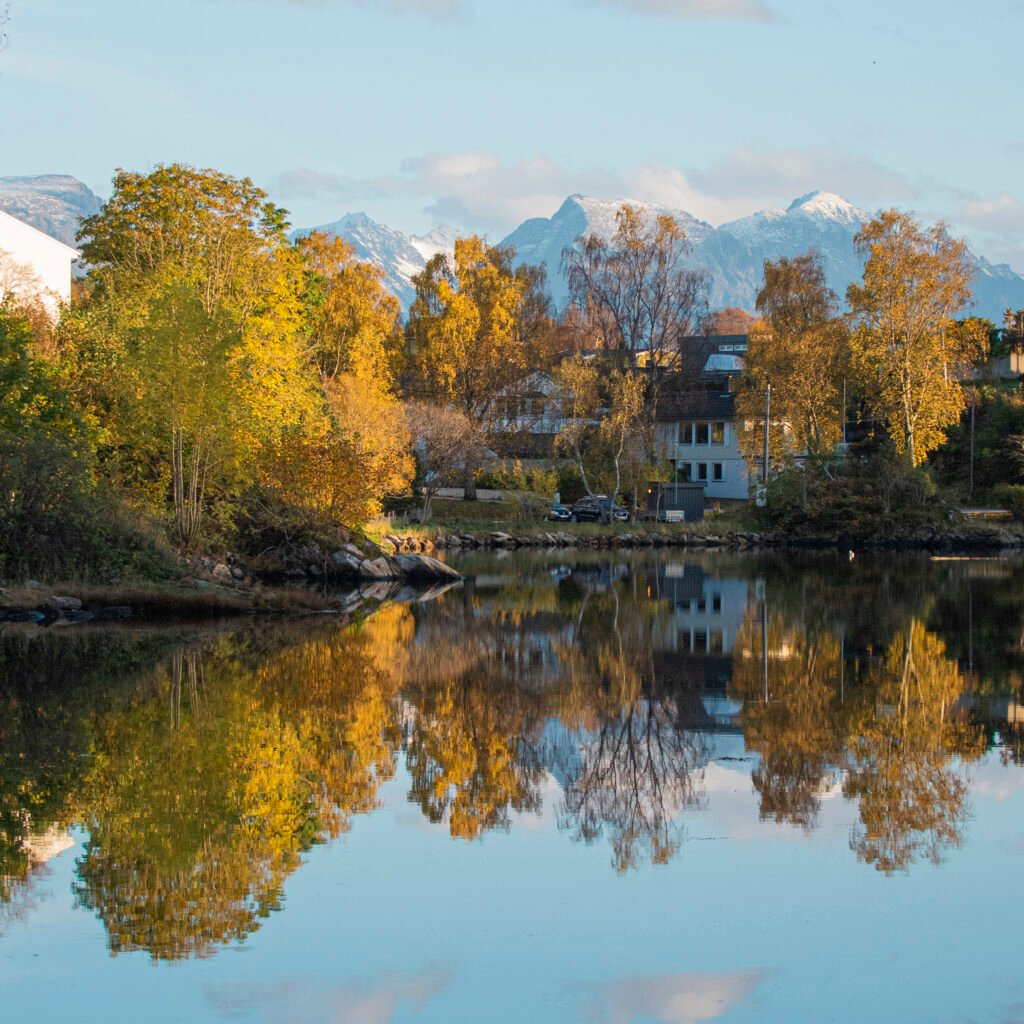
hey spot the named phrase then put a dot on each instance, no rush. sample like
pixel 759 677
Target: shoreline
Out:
pixel 405 571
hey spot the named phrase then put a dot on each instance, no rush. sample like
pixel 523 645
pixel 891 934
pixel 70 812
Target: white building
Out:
pixel 697 427
pixel 32 264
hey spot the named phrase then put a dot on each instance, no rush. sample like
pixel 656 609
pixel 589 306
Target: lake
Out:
pixel 647 787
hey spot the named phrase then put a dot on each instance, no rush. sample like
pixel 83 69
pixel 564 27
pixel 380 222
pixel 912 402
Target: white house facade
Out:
pixel 696 420
pixel 32 264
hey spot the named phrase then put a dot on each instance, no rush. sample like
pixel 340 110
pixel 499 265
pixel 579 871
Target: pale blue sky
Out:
pixel 481 113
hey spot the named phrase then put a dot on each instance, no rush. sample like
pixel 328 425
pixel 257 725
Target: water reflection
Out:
pixel 203 767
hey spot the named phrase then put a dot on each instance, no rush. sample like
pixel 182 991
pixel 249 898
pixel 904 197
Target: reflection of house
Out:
pixel 707 611
pixel 33 264
pixel 696 417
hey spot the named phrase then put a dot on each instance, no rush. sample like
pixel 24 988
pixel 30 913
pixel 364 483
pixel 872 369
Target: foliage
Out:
pixel 908 354
pixel 799 349
pixel 632 294
pixel 1010 497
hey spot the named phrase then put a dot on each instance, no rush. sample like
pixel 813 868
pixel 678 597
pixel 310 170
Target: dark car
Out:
pixel 560 513
pixel 598 508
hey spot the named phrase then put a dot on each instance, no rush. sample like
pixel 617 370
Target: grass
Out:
pixel 469 517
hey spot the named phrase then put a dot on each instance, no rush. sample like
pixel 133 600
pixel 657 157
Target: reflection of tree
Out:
pixel 637 773
pixel 207 788
pixel 638 762
pixel 912 800
pixel 795 728
pixel 468 756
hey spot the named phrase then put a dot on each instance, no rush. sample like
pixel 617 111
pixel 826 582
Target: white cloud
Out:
pixel 439 9
pixel 672 998
pixel 298 1000
pixel 997 223
pixel 762 177
pixel 740 10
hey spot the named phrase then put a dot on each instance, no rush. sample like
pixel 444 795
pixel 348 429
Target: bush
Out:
pixel 57 521
pixel 1010 497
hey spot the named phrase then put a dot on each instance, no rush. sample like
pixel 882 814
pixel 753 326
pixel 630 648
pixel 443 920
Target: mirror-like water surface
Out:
pixel 646 788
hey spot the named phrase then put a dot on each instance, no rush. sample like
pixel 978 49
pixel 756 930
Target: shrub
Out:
pixel 1010 497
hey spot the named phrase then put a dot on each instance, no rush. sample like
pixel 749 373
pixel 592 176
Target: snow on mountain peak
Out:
pixel 438 240
pixel 827 205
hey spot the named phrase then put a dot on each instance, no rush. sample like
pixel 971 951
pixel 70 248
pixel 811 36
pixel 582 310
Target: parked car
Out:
pixel 560 513
pixel 596 508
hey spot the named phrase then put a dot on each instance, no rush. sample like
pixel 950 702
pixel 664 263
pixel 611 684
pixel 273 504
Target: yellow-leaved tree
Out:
pixel 190 344
pixel 907 352
pixel 799 347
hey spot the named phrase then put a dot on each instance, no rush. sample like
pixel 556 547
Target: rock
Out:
pixel 423 567
pixel 63 604
pixel 221 573
pixel 378 569
pixel 344 563
pixel 351 549
pixel 115 613
pixel 237 573
pixel 502 540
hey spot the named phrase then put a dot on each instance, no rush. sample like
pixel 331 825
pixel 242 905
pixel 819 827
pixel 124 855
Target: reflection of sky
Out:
pixel 750 923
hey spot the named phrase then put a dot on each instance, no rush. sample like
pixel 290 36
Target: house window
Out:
pixel 686 433
pixel 702 471
pixel 718 433
pixel 716 603
pixel 702 433
pixel 716 471
pixel 537 407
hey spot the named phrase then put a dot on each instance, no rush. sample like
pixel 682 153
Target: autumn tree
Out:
pixel 577 384
pixel 196 302
pixel 731 320
pixel 799 349
pixel 622 427
pixel 632 292
pixel 907 353
pixel 354 324
pixel 446 441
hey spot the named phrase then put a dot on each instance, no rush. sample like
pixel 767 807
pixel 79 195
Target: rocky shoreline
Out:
pixel 923 539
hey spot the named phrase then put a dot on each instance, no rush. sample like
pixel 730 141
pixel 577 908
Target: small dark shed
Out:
pixel 681 502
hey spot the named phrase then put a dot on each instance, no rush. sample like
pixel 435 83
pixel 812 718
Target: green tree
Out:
pixel 200 361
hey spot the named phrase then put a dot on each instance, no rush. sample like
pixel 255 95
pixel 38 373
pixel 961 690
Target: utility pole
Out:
pixel 767 420
pixel 970 488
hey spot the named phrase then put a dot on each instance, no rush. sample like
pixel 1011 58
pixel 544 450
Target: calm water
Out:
pixel 611 790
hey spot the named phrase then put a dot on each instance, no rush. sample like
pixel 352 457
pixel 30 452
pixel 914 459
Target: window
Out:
pixel 686 433
pixel 702 471
pixel 536 406
pixel 716 603
pixel 702 433
pixel 718 433
pixel 716 471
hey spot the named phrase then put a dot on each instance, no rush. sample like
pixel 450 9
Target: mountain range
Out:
pixel 733 254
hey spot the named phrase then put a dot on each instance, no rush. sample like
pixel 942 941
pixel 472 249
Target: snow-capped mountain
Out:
pixel 399 256
pixel 734 253
pixel 53 203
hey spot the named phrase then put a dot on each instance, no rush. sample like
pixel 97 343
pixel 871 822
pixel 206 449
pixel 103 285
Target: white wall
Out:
pixel 735 482
pixel 32 262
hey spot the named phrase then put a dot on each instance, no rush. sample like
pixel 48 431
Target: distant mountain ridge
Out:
pixel 733 254
pixel 53 203
pixel 399 256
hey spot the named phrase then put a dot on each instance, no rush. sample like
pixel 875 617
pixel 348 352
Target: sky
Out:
pixel 482 113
